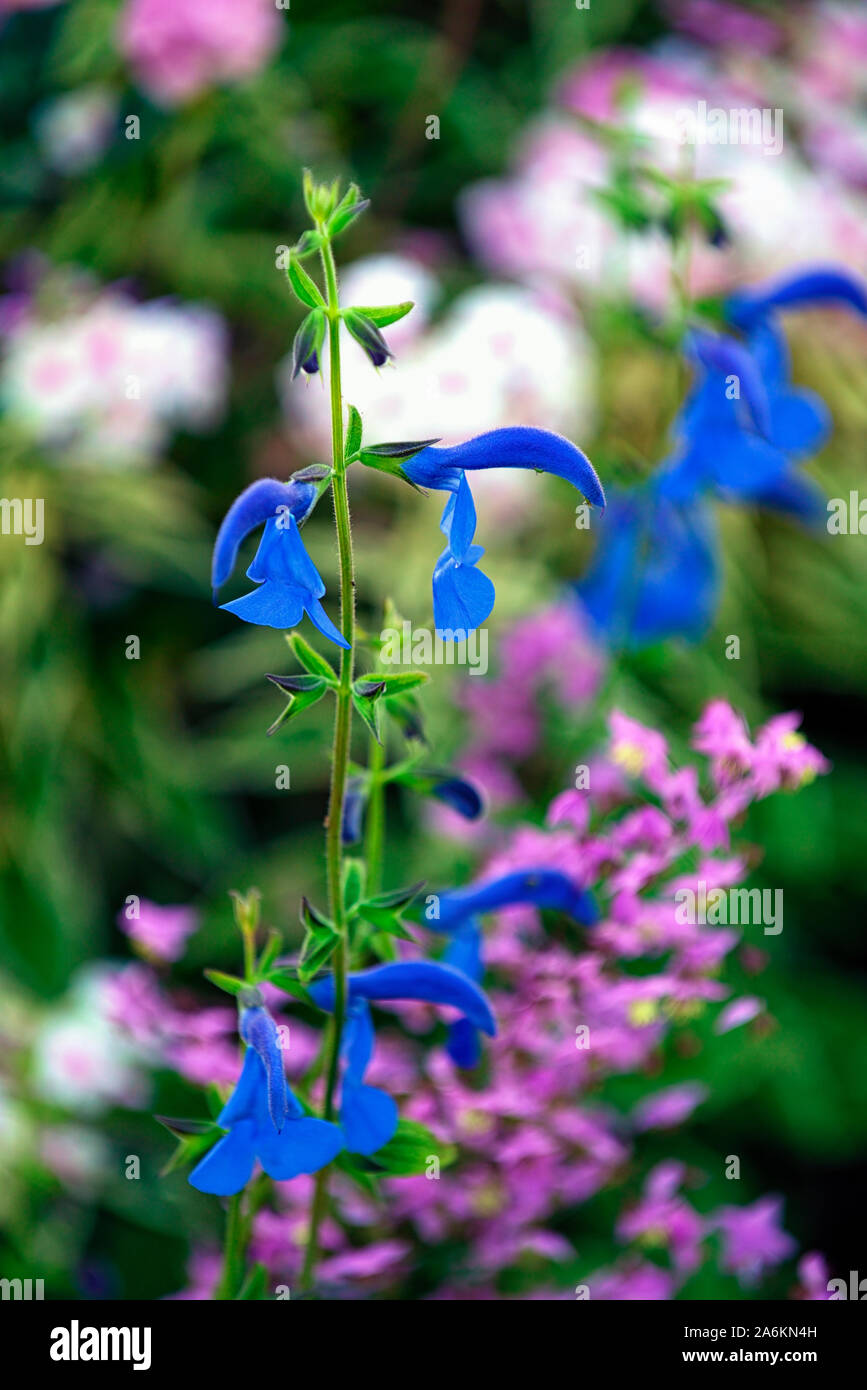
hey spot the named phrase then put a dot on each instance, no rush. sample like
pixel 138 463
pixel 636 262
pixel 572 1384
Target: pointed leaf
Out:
pixel 303 286
pixel 384 314
pixel 230 983
pixel 353 434
pixel 310 659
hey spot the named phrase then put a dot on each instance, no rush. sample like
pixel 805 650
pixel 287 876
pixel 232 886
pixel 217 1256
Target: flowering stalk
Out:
pixel 342 730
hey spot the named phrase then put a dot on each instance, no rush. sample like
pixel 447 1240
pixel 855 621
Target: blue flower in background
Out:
pixel 265 1121
pixel 462 596
pixel 368 1116
pixel 721 434
pixel 655 573
pixel 458 917
pixel 816 287
pixel 289 583
pixel 538 887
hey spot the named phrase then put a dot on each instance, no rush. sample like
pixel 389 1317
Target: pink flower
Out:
pixel 669 1108
pixel 159 932
pixel 179 48
pixel 641 752
pixel 753 1240
pixel 737 1013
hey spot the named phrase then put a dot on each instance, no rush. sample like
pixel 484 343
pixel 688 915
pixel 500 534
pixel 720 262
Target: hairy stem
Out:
pixel 233 1253
pixel 342 735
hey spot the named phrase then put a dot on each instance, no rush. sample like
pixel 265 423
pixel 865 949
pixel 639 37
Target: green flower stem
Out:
pixel 342 734
pixel 233 1256
pixel 375 829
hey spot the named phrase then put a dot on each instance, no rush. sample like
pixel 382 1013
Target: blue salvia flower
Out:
pixel 368 1116
pixel 815 287
pixel 463 597
pixel 722 433
pixel 289 583
pixel 264 1120
pixel 425 981
pixel 656 570
pixel 538 887
pixel 459 794
pixel 458 917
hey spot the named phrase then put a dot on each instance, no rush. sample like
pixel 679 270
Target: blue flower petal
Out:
pixel 227 1167
pixel 726 358
pixel 282 557
pixel 428 981
pixel 459 520
pixel 245 1101
pixel 461 795
pixel 303 1146
pixel 516 446
pixel 321 621
pixel 808 288
pixel 798 496
pixel 368 1117
pixel 463 597
pixel 463 1044
pixel 271 605
pixel 541 887
pixel 655 573
pixel 801 422
pixel 256 504
pixel 354 803
pixel 356 1043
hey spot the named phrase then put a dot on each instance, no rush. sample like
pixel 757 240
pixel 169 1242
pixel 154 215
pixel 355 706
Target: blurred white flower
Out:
pixel 76 1155
pixel 502 355
pixel 74 129
pixel 110 380
pixel 81 1060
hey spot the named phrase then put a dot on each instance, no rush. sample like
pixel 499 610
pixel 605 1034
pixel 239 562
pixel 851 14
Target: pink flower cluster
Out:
pixel 179 48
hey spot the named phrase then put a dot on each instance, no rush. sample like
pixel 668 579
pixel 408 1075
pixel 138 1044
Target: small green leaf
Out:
pixel 287 980
pixel 353 877
pixel 341 218
pixel 230 983
pixel 301 701
pixel 366 694
pixel 410 1150
pixel 353 434
pixel 303 286
pixel 397 897
pixel 307 243
pixel 183 1129
pixel 384 314
pixel 315 921
pixel 315 955
pixel 385 920
pixel 401 682
pixel 253 1289
pixel 402 449
pixel 190 1149
pixel 310 659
